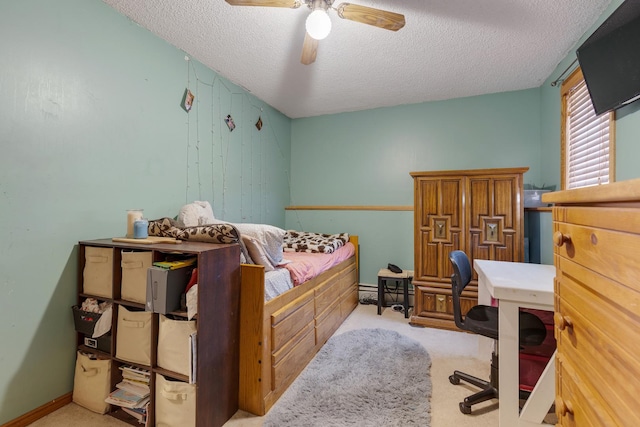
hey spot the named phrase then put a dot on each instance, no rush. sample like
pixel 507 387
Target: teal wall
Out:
pixel 365 157
pixel 91 125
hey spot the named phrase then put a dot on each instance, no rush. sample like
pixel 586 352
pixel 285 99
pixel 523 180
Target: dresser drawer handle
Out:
pixel 560 239
pixel 562 322
pixel 563 408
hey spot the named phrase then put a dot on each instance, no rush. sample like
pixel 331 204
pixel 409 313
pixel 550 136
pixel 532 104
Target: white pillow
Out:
pixel 271 239
pixel 257 254
pixel 196 214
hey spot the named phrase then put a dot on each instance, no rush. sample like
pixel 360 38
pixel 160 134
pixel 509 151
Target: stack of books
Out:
pixel 132 394
pixel 175 264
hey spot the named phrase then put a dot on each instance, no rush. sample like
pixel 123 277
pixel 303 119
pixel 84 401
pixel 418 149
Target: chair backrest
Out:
pixel 459 280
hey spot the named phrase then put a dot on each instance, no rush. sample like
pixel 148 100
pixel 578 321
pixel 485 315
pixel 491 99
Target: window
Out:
pixel 588 149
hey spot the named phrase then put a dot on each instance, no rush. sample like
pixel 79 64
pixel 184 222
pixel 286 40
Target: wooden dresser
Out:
pixel 478 211
pixel 597 304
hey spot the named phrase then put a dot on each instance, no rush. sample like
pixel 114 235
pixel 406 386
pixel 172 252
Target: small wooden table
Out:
pixel 385 275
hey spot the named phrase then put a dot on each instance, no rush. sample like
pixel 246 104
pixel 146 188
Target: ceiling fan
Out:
pixel 318 24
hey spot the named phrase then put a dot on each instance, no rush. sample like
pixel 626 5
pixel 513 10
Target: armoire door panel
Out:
pixel 435 264
pixel 427 197
pixel 451 202
pixel 478 201
pixel 478 250
pixel 504 201
pixel 429 262
pixel 506 252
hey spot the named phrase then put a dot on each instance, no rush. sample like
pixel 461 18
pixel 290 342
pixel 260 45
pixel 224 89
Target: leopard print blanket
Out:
pixel 213 233
pixel 301 241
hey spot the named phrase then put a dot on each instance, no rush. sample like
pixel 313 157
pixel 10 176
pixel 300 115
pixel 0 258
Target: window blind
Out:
pixel 587 144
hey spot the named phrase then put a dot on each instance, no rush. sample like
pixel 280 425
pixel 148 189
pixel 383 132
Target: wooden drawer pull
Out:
pixel 560 239
pixel 563 408
pixel 562 322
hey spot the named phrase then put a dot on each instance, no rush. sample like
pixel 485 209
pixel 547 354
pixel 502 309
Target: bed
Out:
pixel 279 337
pixel 281 326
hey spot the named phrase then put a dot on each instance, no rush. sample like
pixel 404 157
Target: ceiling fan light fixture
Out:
pixel 318 24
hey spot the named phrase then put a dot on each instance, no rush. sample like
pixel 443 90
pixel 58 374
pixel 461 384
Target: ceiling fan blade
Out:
pixel 309 50
pixel 368 15
pixel 293 4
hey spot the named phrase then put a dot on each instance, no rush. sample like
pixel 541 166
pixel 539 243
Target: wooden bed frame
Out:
pixel 278 338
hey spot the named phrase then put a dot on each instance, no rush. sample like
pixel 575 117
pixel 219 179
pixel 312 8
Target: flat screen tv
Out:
pixel 610 59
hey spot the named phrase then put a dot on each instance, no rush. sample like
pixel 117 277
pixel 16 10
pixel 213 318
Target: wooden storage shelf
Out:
pixel 217 326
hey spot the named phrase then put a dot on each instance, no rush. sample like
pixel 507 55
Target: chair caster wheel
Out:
pixel 464 408
pixel 454 380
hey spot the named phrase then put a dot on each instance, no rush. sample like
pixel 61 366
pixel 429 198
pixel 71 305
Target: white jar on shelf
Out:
pixel 132 216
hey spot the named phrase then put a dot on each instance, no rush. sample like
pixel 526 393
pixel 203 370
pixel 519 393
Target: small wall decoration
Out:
pixel 187 100
pixel 229 121
pixel 259 123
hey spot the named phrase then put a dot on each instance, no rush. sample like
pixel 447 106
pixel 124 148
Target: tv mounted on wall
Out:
pixel 610 59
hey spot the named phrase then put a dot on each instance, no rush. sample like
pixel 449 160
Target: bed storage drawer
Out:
pixel 291 319
pixel 326 294
pixel 348 279
pixel 348 302
pixel 291 363
pixel 328 322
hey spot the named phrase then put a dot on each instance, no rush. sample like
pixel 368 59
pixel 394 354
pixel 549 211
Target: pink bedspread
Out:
pixel 305 266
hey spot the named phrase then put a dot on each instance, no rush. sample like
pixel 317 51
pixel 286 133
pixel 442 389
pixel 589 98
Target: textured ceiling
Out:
pixel 447 49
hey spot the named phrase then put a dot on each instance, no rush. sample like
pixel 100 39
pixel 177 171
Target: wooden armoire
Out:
pixel 479 211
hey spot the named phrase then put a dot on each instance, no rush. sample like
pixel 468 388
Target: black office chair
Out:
pixel 483 320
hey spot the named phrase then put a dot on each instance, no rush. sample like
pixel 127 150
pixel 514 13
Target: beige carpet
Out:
pixel 448 350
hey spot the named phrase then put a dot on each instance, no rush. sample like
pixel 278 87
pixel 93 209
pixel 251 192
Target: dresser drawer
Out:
pixel 603 374
pixel 613 309
pixel 605 251
pixel 575 407
pixel 598 347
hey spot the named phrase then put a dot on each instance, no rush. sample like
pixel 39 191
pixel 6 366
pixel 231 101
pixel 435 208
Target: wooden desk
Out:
pixel 515 285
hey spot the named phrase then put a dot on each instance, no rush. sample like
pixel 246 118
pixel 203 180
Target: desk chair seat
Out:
pixel 483 320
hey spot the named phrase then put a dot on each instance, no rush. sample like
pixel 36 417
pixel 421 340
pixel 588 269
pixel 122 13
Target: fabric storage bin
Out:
pixel 92 383
pixel 85 321
pixel 174 344
pixel 98 271
pixel 175 403
pixel 133 340
pixel 134 275
pixel 102 343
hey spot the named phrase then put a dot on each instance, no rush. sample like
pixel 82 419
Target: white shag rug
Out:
pixel 364 377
